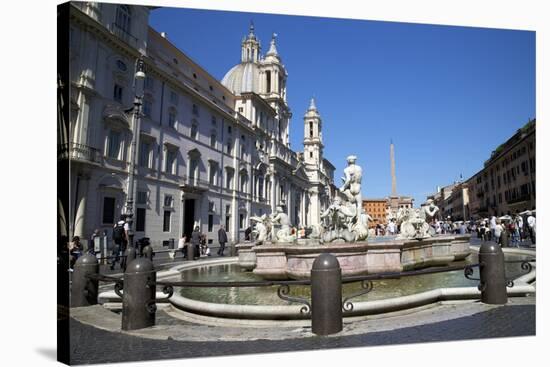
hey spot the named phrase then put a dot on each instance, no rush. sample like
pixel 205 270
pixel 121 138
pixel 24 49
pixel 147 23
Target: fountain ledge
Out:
pixel 294 261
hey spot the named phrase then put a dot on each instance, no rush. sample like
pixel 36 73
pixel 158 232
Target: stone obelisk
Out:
pixel 393 179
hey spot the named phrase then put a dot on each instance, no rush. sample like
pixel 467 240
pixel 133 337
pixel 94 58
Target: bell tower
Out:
pixel 250 46
pixel 313 136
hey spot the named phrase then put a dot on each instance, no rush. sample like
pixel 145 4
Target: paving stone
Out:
pixel 92 345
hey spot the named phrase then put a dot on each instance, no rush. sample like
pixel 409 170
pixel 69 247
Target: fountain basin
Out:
pixel 294 261
pixel 388 295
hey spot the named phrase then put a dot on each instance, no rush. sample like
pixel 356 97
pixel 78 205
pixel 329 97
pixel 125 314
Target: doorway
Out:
pixel 188 217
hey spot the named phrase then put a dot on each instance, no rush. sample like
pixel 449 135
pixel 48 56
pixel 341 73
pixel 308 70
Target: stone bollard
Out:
pixel 504 239
pixel 190 251
pixel 138 307
pixel 492 275
pixel 84 291
pixel 131 254
pixel 148 252
pixel 326 295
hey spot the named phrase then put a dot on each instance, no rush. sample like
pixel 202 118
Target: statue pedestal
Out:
pixel 294 261
pixel 247 257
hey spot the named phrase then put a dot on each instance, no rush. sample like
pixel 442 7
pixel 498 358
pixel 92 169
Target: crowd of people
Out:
pixel 506 230
pixel 515 228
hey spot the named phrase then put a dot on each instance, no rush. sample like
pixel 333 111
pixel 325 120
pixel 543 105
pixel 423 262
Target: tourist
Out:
pixel 91 245
pixel 462 228
pixel 196 237
pixel 391 227
pixel 120 240
pixel 519 227
pixel 75 251
pixel 484 231
pixel 247 233
pixel 203 244
pixel 497 231
pixel 492 226
pixel 207 250
pixel 181 246
pixel 513 230
pixel 532 227
pixel 222 239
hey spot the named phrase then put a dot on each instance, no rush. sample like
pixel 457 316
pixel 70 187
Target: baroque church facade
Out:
pixel 208 153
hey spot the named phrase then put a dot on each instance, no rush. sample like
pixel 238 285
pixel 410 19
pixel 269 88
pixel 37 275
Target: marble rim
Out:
pixel 522 287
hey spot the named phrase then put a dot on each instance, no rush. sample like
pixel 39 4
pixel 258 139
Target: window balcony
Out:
pixel 518 199
pixel 79 152
pixel 124 35
pixel 194 184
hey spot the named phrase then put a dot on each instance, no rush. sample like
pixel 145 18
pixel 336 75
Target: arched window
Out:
pixel 243 181
pixel 123 18
pixel 213 138
pixel 172 118
pixel 261 187
pixel 194 130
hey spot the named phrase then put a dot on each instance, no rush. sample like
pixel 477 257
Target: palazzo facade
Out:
pixel 208 153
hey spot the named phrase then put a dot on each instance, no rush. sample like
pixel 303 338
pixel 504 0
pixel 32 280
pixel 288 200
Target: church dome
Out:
pixel 244 77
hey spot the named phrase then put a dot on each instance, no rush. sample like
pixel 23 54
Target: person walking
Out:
pixel 519 225
pixel 497 231
pixel 532 227
pixel 91 245
pixel 492 226
pixel 120 240
pixel 181 247
pixel 75 250
pixel 222 239
pixel 196 242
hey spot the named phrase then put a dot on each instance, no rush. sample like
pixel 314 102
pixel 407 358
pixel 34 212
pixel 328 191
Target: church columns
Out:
pixel 275 83
pixel 314 207
pixel 81 187
pixel 303 214
pixel 274 189
pixel 81 127
pixel 289 202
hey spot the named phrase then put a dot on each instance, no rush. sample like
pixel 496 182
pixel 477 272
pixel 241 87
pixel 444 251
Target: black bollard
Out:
pixel 148 252
pixel 326 295
pixel 138 307
pixel 190 251
pixel 504 239
pixel 492 274
pixel 84 290
pixel 131 254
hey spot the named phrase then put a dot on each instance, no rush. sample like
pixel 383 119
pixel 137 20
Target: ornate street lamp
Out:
pixel 139 78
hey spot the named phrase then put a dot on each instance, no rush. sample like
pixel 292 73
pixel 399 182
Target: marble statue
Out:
pixel 345 219
pixel 338 217
pixel 281 219
pixel 262 229
pixel 390 214
pixel 361 226
pixel 351 187
pixel 316 231
pixel 413 224
pixel 429 210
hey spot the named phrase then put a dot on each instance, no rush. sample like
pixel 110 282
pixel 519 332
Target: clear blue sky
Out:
pixel 446 96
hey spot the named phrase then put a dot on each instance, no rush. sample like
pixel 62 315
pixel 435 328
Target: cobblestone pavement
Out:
pixel 92 345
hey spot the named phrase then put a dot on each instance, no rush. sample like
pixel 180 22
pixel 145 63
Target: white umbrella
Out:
pixel 525 212
pixel 505 217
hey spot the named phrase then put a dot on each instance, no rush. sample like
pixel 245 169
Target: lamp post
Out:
pixel 136 121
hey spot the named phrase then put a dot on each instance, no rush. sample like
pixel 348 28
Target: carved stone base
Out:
pixel 294 261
